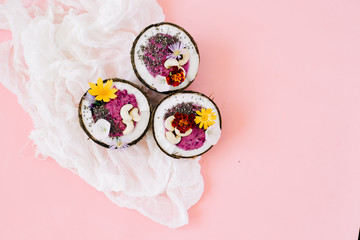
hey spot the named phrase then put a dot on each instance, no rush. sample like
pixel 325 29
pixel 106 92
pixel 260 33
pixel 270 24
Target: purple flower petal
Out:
pixel 89 98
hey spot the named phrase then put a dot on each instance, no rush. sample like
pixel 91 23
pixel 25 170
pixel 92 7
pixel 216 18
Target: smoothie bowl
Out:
pixel 114 113
pixel 186 124
pixel 165 57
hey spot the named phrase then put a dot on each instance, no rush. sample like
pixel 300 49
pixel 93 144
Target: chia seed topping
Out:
pixel 155 53
pixel 184 107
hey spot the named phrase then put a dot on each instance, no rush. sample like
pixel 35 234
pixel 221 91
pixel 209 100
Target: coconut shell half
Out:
pixel 87 122
pixel 168 106
pixel 157 82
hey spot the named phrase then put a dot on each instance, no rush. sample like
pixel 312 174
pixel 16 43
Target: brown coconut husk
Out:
pixel 153 117
pixel 104 144
pixel 132 55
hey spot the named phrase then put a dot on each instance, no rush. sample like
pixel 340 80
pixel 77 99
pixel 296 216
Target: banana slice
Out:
pixel 124 112
pixel 129 127
pixel 134 113
pixel 187 133
pixel 172 138
pixel 168 123
pixel 170 63
pixel 185 58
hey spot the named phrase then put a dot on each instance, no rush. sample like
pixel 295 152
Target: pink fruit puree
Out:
pixel 112 114
pixel 194 141
pixel 155 53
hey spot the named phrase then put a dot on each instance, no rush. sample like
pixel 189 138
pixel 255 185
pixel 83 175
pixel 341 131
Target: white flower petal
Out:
pixel 164 87
pixel 101 129
pixel 212 134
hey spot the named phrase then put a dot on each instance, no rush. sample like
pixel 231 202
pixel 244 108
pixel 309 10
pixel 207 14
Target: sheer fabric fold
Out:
pixel 56 49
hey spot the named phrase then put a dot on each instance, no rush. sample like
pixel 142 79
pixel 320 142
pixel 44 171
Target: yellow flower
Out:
pixel 101 91
pixel 206 118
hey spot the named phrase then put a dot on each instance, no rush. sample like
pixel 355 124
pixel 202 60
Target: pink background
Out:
pixel 286 77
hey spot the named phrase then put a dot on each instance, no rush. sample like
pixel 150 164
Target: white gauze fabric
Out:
pixel 56 49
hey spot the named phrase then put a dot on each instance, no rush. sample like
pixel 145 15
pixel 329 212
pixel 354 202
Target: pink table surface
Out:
pixel 286 77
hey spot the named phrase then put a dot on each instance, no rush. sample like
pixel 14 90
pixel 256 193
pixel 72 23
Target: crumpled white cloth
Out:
pixel 57 48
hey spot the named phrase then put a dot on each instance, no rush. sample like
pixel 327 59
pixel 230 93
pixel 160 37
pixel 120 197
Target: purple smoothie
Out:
pixel 194 141
pixel 155 53
pixel 111 112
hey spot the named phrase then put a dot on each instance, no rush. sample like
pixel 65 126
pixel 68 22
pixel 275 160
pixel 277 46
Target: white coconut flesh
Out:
pixel 140 126
pixel 159 129
pixel 159 82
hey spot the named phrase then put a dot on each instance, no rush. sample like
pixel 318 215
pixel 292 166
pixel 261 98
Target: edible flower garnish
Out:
pixel 119 146
pixel 101 129
pixel 177 49
pixel 212 134
pixel 89 98
pixel 176 76
pixel 101 91
pixel 205 118
pixel 183 122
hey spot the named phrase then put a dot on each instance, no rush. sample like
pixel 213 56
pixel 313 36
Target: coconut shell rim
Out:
pixel 132 56
pixel 104 144
pixel 153 121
